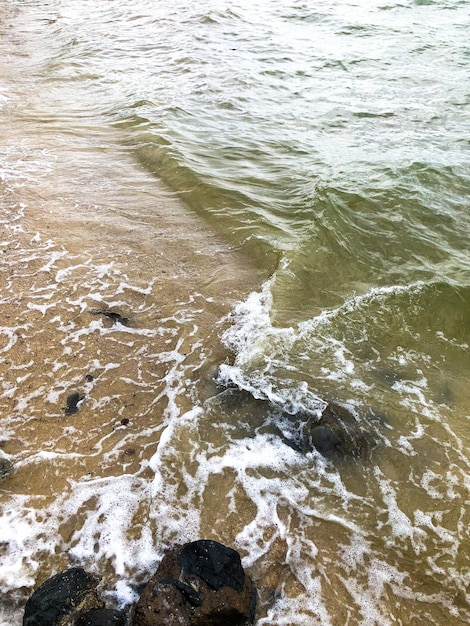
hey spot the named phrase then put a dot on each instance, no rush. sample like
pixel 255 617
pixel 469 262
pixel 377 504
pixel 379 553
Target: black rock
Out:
pixel 101 617
pixel 112 315
pixel 72 401
pixel 6 466
pixel 187 591
pixel 216 564
pixel 199 584
pixel 60 598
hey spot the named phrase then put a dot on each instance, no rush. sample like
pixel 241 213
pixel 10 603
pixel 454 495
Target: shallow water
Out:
pixel 273 194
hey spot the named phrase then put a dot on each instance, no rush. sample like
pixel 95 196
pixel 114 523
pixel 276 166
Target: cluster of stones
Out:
pixel 201 583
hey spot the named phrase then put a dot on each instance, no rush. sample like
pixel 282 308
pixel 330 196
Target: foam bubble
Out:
pixel 22 544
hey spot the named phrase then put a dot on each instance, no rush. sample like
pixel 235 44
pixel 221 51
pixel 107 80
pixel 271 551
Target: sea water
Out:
pixel 274 198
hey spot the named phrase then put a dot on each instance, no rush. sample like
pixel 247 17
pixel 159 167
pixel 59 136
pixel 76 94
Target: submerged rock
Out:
pixel 199 584
pixel 336 433
pixel 324 439
pixel 62 599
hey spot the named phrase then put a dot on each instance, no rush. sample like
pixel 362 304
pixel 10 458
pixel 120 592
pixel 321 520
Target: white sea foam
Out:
pixel 263 351
pixel 20 527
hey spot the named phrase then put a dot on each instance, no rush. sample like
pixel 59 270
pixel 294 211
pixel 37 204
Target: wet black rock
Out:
pixel 112 315
pixel 102 617
pixel 214 563
pixel 6 466
pixel 199 584
pixel 62 599
pixel 72 401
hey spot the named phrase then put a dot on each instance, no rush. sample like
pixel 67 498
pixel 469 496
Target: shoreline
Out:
pixel 84 227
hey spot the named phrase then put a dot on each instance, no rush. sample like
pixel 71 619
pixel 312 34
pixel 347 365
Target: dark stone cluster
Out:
pixel 201 583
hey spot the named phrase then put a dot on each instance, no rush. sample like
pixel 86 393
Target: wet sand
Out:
pixel 118 241
pixel 84 230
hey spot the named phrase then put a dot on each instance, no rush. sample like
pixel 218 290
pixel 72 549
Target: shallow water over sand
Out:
pixel 263 193
pixel 85 230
